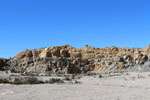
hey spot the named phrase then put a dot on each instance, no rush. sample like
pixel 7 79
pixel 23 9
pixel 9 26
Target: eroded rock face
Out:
pixel 86 53
pixel 24 54
pixel 67 59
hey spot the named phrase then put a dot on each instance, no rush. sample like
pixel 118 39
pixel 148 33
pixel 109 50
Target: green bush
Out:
pixel 30 80
pixel 67 78
pixel 33 80
pixel 19 81
pixel 55 80
pixel 100 76
pixel 4 81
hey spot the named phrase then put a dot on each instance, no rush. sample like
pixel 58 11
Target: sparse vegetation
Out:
pixel 19 81
pixel 76 76
pixel 55 80
pixel 73 76
pixel 100 75
pixel 4 80
pixel 68 78
pixel 91 74
pixel 35 80
pixel 77 82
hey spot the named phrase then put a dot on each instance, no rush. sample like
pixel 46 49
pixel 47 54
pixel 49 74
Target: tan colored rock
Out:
pixel 119 65
pixel 55 52
pixel 75 54
pixel 74 68
pixel 142 57
pixel 128 57
pixel 85 53
pixel 64 53
pixel 63 59
pixel 100 68
pixel 27 53
pixel 146 50
pixel 44 53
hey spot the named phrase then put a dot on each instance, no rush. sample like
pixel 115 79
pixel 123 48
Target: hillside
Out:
pixel 67 59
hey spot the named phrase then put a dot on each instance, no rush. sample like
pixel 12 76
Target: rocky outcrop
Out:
pixel 85 53
pixel 67 59
pixel 3 63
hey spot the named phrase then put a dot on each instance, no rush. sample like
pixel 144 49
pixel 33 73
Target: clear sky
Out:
pixel 31 24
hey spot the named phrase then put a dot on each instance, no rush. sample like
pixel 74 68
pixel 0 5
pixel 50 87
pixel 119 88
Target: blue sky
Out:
pixel 31 24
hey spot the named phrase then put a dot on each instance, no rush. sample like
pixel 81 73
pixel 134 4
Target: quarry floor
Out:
pixel 126 86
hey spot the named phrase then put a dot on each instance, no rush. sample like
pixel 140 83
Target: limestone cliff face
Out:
pixel 86 53
pixel 67 59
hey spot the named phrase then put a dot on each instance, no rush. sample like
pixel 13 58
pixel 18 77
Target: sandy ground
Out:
pixel 131 86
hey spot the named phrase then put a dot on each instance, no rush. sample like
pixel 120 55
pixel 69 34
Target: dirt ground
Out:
pixel 127 86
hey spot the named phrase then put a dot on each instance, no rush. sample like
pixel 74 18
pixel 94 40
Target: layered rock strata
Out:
pixel 67 59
